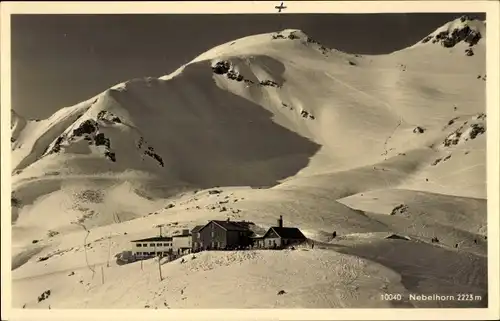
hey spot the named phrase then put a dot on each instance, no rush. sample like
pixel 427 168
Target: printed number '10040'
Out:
pixel 391 297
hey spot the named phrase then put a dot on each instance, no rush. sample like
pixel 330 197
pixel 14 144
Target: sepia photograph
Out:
pixel 276 159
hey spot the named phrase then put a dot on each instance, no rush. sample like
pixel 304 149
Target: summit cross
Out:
pixel 280 7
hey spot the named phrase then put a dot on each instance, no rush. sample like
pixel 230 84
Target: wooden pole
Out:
pixel 141 264
pixel 159 268
pixel 102 274
pixel 109 247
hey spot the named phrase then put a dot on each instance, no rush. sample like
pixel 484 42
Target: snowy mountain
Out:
pixel 362 145
pixel 459 31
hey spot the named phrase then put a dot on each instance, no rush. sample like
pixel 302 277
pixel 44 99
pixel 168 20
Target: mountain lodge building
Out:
pixel 279 237
pixel 218 235
pixel 152 246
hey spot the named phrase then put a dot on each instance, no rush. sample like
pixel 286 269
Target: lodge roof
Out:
pixel 287 232
pixel 181 235
pixel 154 239
pixel 257 236
pixel 233 226
pixel 197 228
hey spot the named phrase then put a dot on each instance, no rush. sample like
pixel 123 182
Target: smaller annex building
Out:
pixel 182 243
pixel 279 237
pixel 152 246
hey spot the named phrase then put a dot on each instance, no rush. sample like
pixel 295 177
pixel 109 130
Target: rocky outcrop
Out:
pixel 231 74
pixel 311 40
pixel 308 40
pixel 149 151
pixel 481 116
pixel 110 155
pixel 270 83
pixel 452 121
pixel 437 161
pixel 450 38
pixel 418 130
pixel 469 52
pixel 89 126
pixel 440 160
pixel 306 114
pixel 427 39
pixel 101 140
pixel 291 36
pixel 452 139
pixel 477 129
pixel 400 209
pixel 221 67
pixel 469 130
pixel 224 67
pixel 107 116
pixel 89 131
pixel 44 296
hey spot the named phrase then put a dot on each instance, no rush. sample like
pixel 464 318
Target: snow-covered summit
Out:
pixel 288 40
pixel 461 30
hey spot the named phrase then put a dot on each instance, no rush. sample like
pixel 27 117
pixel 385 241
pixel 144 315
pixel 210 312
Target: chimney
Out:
pixel 280 221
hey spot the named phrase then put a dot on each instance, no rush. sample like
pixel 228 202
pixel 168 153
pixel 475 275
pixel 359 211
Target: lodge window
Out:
pixel 138 245
pixel 158 244
pixel 152 244
pixel 213 234
pixel 145 245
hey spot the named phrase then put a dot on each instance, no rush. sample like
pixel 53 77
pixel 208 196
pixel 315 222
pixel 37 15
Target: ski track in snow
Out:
pixel 389 106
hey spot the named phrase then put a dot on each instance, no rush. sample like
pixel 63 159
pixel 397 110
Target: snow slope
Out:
pixel 283 126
